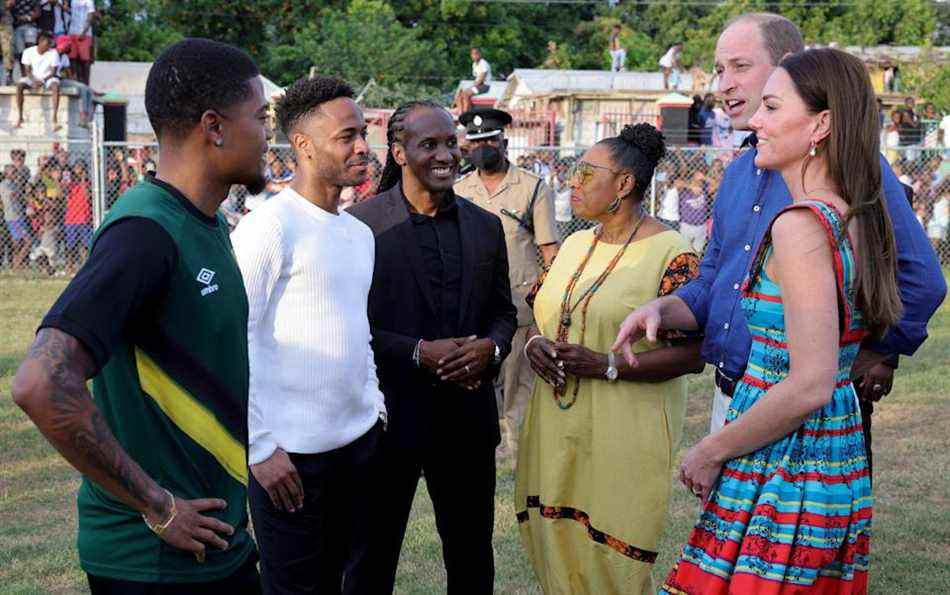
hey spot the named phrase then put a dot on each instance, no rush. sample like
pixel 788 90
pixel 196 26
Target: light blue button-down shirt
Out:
pixel 748 200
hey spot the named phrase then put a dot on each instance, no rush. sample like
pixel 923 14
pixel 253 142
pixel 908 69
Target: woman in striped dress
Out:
pixel 785 485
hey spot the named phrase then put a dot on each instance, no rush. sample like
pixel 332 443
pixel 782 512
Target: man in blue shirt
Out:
pixel 749 49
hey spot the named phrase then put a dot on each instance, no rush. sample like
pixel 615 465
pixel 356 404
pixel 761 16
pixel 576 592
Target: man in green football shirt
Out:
pixel 157 317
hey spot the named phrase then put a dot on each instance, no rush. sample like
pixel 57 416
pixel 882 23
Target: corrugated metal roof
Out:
pixel 537 81
pixel 898 53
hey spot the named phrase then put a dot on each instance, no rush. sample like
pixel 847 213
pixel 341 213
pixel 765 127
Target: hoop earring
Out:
pixel 613 206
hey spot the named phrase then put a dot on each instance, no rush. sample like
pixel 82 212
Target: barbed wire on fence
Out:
pixel 53 194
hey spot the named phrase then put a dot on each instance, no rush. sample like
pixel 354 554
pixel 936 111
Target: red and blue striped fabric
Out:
pixel 795 515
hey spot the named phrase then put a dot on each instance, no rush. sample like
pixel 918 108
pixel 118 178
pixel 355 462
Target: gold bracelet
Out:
pixel 159 529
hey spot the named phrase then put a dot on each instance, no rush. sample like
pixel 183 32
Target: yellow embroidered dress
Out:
pixel 593 480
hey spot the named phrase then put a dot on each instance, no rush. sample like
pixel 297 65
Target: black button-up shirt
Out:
pixel 441 245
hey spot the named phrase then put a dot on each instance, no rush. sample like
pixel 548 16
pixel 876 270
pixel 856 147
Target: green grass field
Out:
pixel 910 549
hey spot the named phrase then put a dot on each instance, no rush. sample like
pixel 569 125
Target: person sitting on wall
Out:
pixel 40 69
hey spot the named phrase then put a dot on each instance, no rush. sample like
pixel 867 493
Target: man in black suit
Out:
pixel 442 321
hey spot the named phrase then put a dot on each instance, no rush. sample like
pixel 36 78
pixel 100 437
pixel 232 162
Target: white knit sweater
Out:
pixel 313 385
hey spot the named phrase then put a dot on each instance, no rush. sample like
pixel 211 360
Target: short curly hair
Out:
pixel 192 76
pixel 305 96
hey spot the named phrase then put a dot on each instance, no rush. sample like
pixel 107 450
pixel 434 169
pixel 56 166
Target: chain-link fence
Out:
pixel 47 192
pixel 54 193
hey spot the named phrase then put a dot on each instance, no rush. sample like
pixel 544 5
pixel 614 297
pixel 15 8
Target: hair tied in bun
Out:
pixel 647 139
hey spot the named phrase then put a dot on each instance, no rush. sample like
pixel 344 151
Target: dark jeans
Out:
pixel 324 546
pixel 245 581
pixel 460 478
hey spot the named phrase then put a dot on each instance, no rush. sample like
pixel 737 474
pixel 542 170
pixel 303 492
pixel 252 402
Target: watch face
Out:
pixel 611 373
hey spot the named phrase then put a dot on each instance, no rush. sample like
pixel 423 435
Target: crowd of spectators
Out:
pixel 126 167
pixel 905 127
pixel 47 212
pixel 47 208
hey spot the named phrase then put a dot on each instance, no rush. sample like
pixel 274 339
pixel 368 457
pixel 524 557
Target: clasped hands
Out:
pixel 553 361
pixel 459 360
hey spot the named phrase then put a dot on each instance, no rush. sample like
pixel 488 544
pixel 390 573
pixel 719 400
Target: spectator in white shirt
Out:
pixel 315 411
pixel 670 65
pixel 481 70
pixel 945 131
pixel 722 128
pixel 40 68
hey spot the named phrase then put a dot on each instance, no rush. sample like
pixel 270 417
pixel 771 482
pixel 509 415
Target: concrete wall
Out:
pixel 37 115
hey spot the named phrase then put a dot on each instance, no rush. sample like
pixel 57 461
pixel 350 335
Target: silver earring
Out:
pixel 813 151
pixel 219 143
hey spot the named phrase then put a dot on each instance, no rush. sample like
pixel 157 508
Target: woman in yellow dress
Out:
pixel 599 437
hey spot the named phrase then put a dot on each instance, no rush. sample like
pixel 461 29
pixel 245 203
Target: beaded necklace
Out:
pixel 564 321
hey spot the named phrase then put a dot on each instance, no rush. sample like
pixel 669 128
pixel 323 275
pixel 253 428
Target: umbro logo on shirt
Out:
pixel 205 277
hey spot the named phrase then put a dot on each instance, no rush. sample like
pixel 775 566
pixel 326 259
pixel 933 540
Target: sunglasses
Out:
pixel 582 172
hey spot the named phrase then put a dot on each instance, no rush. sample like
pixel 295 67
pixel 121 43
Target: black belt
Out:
pixel 726 385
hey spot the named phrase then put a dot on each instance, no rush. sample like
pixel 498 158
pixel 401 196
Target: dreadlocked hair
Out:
pixel 395 133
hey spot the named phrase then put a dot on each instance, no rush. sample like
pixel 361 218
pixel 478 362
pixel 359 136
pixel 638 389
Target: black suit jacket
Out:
pixel 422 410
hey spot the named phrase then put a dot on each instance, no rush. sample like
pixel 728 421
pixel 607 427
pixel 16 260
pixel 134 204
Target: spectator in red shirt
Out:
pixel 78 217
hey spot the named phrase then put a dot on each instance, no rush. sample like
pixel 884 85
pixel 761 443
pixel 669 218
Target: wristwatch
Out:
pixel 496 356
pixel 611 373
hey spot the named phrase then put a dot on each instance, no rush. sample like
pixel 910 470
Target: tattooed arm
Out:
pixel 50 386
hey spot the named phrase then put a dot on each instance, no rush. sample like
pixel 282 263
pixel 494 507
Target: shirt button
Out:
pixel 736 287
pixel 747 247
pixel 726 326
pixel 756 208
pixel 758 172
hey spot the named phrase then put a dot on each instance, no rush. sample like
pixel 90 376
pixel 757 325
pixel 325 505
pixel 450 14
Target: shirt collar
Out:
pixel 750 141
pixel 478 185
pixel 448 208
pixel 189 206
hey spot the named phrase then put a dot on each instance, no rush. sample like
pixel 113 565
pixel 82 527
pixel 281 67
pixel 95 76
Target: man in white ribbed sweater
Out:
pixel 316 413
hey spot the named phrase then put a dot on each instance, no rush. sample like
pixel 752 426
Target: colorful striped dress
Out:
pixel 795 515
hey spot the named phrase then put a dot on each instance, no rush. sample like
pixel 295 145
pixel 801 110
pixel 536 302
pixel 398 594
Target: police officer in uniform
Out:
pixel 525 205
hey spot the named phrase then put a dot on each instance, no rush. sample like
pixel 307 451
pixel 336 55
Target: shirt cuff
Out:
pixel 260 449
pixel 93 345
pixel 903 339
pixel 692 294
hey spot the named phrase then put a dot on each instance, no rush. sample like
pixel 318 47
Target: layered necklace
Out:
pixel 567 309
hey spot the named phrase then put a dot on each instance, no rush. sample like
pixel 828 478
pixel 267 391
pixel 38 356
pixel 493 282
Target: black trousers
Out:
pixel 460 478
pixel 867 410
pixel 245 581
pixel 324 546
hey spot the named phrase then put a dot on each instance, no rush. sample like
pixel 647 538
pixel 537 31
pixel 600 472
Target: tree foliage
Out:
pixel 931 82
pixel 420 48
pixel 361 43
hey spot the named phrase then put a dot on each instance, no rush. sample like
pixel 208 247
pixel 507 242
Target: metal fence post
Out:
pixel 653 196
pixel 98 180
